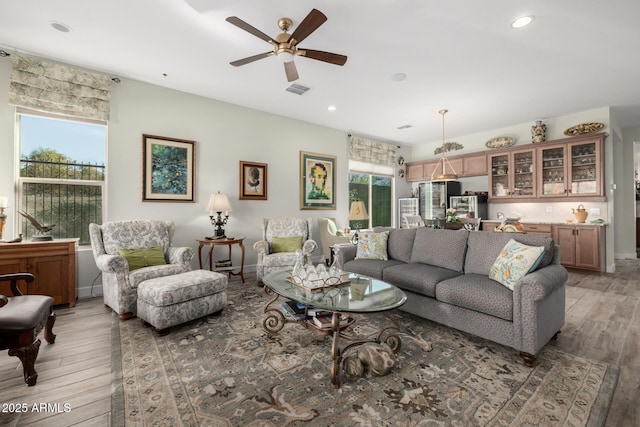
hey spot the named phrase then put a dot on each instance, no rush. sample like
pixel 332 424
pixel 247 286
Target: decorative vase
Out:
pixel 538 132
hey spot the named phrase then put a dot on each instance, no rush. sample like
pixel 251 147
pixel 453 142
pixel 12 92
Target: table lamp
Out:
pixel 4 201
pixel 358 212
pixel 219 203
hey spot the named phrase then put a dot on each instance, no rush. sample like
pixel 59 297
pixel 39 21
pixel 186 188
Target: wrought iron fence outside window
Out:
pixel 53 188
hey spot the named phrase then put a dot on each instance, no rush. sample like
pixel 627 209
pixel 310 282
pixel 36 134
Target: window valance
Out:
pixel 371 151
pixel 58 88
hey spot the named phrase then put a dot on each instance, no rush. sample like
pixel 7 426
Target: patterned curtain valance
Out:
pixel 371 151
pixel 57 88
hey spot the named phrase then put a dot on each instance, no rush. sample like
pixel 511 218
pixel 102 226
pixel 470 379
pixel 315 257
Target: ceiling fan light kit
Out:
pixel 285 45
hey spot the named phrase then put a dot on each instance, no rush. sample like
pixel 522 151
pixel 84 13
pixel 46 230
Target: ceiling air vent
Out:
pixel 405 127
pixel 297 89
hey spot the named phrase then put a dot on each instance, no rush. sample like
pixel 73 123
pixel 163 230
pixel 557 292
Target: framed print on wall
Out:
pixel 253 181
pixel 317 181
pixel 168 169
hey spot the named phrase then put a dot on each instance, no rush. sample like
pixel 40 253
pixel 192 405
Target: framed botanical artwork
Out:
pixel 168 169
pixel 317 181
pixel 253 181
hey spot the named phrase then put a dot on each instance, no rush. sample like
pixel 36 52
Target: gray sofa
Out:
pixel 445 275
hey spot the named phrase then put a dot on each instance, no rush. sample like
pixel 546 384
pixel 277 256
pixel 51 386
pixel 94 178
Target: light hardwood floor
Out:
pixel 602 322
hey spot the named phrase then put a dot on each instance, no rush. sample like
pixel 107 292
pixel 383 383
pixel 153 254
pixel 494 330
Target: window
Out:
pixel 62 174
pixel 377 193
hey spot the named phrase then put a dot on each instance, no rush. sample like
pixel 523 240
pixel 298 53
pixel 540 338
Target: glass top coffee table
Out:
pixel 361 294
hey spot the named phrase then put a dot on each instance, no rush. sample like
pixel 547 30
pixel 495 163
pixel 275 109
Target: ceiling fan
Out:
pixel 285 45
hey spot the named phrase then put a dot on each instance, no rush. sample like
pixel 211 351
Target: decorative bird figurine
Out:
pixel 41 228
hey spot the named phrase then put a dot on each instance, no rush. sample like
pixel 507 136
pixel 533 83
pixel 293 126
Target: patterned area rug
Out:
pixel 226 371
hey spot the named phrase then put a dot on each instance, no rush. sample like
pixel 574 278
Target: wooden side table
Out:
pixel 227 242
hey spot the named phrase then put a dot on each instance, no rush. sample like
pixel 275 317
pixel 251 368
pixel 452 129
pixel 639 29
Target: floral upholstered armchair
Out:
pixel 114 245
pixel 280 239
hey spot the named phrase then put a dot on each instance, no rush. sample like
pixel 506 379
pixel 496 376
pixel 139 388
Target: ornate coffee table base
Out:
pixel 275 321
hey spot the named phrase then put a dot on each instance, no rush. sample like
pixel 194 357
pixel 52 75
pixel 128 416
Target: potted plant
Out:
pixel 452 222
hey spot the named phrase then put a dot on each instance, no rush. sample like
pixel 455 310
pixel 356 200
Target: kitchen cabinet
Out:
pixel 474 165
pixel 512 174
pixel 468 165
pixel 52 263
pixel 571 170
pixel 581 246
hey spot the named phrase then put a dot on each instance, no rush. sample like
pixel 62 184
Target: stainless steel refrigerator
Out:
pixel 469 206
pixel 434 198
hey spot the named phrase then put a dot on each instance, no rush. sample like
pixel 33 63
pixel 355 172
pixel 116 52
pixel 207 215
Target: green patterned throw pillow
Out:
pixel 372 246
pixel 143 257
pixel 286 244
pixel 514 262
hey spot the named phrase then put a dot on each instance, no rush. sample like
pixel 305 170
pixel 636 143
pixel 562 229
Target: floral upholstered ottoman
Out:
pixel 167 301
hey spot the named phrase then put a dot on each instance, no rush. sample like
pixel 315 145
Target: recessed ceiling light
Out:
pixel 398 77
pixel 522 21
pixel 59 26
pixel 331 108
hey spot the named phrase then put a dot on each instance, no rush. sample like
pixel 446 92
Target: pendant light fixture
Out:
pixel 440 173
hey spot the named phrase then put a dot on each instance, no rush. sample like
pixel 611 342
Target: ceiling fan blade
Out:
pixel 309 24
pixel 248 28
pixel 320 55
pixel 249 59
pixel 291 71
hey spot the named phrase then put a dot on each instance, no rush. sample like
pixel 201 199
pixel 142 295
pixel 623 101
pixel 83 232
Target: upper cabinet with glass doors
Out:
pixel 512 174
pixel 572 169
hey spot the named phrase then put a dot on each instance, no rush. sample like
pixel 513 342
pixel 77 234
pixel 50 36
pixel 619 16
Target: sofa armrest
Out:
pixel 179 255
pixel 347 252
pixel 261 247
pixel 111 263
pixel 538 285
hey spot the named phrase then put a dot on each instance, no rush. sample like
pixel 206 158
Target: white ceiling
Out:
pixel 458 54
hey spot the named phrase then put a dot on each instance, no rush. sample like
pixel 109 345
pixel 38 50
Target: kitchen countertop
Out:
pixel 548 222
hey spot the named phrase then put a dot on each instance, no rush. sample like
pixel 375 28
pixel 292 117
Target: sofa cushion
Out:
pixel 370 267
pixel 514 262
pixel 484 247
pixel 477 292
pixel 416 277
pixel 372 245
pixel 441 248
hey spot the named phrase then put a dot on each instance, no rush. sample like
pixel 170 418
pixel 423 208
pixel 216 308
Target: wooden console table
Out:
pixel 226 242
pixel 53 263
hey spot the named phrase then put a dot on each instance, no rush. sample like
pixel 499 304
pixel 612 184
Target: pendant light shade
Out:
pixel 443 171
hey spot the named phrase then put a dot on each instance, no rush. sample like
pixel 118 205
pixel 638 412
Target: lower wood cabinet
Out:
pixel 581 246
pixel 52 263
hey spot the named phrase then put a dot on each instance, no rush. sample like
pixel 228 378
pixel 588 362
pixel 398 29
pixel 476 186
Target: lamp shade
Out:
pixel 358 211
pixel 4 201
pixel 219 202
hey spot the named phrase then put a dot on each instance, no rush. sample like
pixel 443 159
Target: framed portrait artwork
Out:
pixel 253 181
pixel 317 181
pixel 168 169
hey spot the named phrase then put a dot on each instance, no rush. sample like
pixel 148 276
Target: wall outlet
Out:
pixel 548 209
pixel 594 211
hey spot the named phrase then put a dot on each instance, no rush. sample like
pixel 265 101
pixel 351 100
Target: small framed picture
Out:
pixel 253 181
pixel 317 181
pixel 168 169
